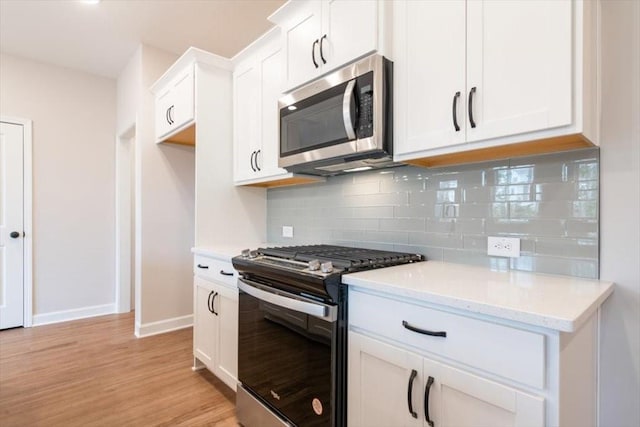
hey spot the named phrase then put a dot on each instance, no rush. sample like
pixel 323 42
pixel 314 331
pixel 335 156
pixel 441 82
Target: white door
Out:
pixel 455 398
pixel 225 305
pixel 205 328
pixel 519 60
pixel 247 122
pixel 175 105
pixel 430 56
pixel 11 225
pixel 383 381
pixel 272 87
pixel 350 27
pixel 302 43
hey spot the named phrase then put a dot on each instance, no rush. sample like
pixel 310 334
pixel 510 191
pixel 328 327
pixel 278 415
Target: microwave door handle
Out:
pixel 346 110
pixel 316 310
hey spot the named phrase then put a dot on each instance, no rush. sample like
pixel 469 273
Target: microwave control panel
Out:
pixel 365 110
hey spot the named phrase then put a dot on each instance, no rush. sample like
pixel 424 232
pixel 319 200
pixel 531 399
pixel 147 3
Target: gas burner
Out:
pixel 345 258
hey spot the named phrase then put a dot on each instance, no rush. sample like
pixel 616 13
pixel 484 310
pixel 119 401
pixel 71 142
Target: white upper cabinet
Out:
pixel 519 62
pixel 350 30
pixel 247 82
pixel 302 43
pixel 270 92
pixel 257 85
pixel 183 96
pixel 474 75
pixel 321 35
pixel 429 75
pixel 175 104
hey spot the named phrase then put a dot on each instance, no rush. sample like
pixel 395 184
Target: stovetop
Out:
pixel 313 269
pixel 344 258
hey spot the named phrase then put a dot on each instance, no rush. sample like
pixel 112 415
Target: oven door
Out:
pixel 286 353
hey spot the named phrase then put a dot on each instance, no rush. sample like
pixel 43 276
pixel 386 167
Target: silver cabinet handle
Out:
pixel 346 110
pixel 313 309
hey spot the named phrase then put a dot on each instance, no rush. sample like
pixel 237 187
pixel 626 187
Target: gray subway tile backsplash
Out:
pixel 549 201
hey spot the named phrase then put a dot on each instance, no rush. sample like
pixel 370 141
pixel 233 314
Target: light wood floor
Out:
pixel 95 372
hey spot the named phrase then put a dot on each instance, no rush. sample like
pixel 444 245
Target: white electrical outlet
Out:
pixel 287 231
pixel 503 246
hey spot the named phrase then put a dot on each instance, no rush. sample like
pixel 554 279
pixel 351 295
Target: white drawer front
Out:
pixel 214 269
pixel 509 352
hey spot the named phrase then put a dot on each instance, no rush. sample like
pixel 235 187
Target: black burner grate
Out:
pixel 343 257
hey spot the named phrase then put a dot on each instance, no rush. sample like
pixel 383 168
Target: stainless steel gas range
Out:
pixel 292 329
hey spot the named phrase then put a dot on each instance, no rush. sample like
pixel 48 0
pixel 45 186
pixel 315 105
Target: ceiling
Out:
pixel 100 38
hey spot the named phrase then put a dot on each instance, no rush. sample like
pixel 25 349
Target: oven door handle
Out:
pixel 346 110
pixel 312 309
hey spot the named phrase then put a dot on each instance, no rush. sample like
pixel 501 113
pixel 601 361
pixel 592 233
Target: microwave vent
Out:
pixel 383 162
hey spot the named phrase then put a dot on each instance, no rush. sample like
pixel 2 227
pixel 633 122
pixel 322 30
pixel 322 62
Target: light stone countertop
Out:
pixel 225 251
pixel 554 302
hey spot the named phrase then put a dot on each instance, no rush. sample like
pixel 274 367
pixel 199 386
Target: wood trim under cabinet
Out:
pixel 294 180
pixel 541 146
pixel 186 136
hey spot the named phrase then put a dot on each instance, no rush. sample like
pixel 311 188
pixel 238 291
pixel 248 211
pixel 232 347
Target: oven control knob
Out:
pixel 326 267
pixel 253 254
pixel 245 253
pixel 314 265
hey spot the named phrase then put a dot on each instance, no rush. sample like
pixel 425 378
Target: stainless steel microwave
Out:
pixel 341 122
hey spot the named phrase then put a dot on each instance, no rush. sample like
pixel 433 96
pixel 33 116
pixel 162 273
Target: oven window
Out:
pixel 316 122
pixel 285 358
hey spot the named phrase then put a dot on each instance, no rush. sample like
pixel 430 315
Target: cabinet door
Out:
pixel 246 121
pixel 460 399
pixel 272 87
pixel 300 35
pixel 351 30
pixel 205 332
pixel 379 378
pixel 175 105
pixel 183 99
pixel 226 305
pixel 429 69
pixel 163 103
pixel 519 60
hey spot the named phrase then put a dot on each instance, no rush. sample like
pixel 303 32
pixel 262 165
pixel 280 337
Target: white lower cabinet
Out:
pixel 391 386
pixel 204 324
pixel 215 329
pixel 413 361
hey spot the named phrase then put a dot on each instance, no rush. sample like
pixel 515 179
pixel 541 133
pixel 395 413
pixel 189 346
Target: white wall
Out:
pixel 225 214
pixel 74 119
pixel 168 197
pixel 165 187
pixel 129 91
pixel 620 214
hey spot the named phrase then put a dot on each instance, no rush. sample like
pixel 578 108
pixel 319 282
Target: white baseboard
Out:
pixel 162 326
pixel 74 314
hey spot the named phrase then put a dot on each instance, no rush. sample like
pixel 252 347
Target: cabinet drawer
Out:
pixel 509 352
pixel 215 269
